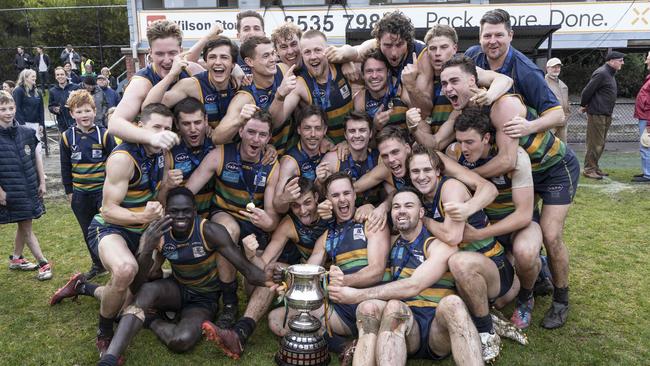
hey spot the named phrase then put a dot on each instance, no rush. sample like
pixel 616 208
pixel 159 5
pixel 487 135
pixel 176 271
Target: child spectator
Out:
pixel 22 186
pixel 84 148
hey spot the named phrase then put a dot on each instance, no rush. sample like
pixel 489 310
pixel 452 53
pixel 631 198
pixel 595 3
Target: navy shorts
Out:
pixel 191 298
pixel 506 273
pixel 245 228
pixel 348 314
pixel 97 231
pixel 557 185
pixel 424 317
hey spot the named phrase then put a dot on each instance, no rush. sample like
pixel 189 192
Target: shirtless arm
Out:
pixel 206 170
pixel 506 159
pixel 227 129
pixel 319 255
pixel 423 134
pixel 119 170
pixel 281 108
pixel 184 88
pixel 498 84
pixel 378 247
pixel 449 231
pixel 217 238
pixel 377 175
pixel 484 191
pixel 156 93
pixel 282 198
pixel 279 239
pixel 347 53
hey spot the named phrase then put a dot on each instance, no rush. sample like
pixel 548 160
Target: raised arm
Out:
pixel 423 134
pixel 498 84
pixel 156 93
pixel 184 88
pixel 283 194
pixel 279 239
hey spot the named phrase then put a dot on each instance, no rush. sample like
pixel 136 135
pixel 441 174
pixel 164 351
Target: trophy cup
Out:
pixel 303 345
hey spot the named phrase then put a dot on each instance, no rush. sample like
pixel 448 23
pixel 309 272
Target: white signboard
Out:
pixel 592 17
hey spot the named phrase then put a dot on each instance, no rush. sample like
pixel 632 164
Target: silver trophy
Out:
pixel 304 344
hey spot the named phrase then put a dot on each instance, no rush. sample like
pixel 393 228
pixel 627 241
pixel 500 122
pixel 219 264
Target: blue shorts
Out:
pixel 558 184
pixel 424 316
pixel 191 298
pixel 97 231
pixel 348 314
pixel 506 273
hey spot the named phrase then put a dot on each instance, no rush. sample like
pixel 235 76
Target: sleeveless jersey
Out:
pixel 405 257
pixel 347 246
pixel 150 74
pixel 215 101
pixel 237 180
pixel 88 154
pixel 441 107
pixel 187 160
pixel 307 234
pixel 502 206
pixel 263 97
pixel 193 262
pixel 144 183
pixel 306 164
pixel 397 117
pixel 244 66
pixel 402 182
pixel 334 97
pixel 488 246
pixel 356 169
pixel 396 71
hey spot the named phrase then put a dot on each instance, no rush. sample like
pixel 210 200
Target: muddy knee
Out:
pixel 368 317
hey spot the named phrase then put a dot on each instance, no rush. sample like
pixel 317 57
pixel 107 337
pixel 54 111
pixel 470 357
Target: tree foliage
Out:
pixel 85 28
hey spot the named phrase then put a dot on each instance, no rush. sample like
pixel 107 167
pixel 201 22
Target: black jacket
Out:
pixel 18 175
pixel 29 106
pixel 23 61
pixel 58 98
pixel 599 95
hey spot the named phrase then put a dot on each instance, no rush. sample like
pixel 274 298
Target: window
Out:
pixel 188 4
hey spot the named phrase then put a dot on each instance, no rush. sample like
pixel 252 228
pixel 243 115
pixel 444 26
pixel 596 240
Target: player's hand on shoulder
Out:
pixel 270 155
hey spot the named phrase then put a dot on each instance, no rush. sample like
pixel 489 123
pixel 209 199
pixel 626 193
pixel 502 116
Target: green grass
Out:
pixel 606 233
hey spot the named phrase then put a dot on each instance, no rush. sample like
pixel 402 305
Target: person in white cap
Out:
pixel 561 91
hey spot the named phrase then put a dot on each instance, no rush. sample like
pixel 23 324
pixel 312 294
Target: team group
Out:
pixel 427 181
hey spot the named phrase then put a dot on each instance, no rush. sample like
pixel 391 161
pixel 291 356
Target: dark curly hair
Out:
pixel 395 23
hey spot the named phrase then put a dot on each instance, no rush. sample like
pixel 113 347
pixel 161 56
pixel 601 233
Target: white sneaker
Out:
pixel 21 264
pixel 490 346
pixel 44 272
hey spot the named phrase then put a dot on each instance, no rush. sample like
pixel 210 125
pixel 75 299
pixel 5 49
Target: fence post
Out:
pixel 99 38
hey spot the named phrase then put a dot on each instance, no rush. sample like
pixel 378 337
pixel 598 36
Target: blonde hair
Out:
pixel 441 30
pixel 6 98
pixel 163 28
pixel 22 76
pixel 79 98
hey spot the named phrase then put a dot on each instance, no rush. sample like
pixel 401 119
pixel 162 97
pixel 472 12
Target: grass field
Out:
pixel 607 235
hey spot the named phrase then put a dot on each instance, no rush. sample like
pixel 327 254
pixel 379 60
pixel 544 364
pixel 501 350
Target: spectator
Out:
pixel 598 100
pixel 69 55
pixel 22 60
pixel 101 104
pixel 59 94
pixel 561 91
pixel 42 64
pixel 112 81
pixel 29 102
pixel 72 75
pixel 22 186
pixel 642 113
pixel 87 66
pixel 112 98
pixel 8 86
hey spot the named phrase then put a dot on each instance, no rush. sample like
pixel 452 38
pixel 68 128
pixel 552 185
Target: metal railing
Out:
pixel 624 128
